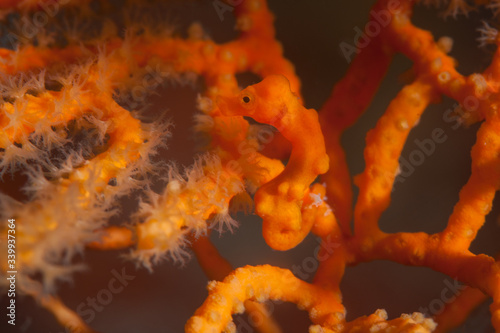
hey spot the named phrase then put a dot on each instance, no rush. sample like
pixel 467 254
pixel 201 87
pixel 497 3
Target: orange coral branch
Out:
pixel 65 316
pixel 476 197
pixel 350 97
pixel 266 282
pixel 217 268
pixel 262 283
pixel 384 146
pixel 456 312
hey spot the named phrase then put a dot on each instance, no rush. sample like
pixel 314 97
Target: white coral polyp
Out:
pixel 184 207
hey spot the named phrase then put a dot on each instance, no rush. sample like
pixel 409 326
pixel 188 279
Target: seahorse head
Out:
pixel 266 102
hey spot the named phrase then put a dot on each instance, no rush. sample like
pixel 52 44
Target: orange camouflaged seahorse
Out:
pixel 279 201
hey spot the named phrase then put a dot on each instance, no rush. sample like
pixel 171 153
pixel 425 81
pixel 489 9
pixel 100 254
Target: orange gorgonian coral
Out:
pixel 83 159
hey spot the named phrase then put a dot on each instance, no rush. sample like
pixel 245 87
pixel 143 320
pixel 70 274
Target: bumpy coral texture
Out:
pixel 79 149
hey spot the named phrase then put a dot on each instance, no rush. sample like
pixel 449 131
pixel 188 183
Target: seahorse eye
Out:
pixel 247 100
